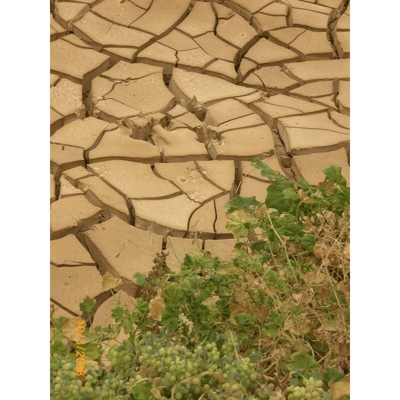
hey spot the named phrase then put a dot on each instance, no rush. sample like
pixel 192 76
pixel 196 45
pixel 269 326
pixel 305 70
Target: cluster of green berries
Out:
pixel 207 371
pixel 64 384
pixel 312 390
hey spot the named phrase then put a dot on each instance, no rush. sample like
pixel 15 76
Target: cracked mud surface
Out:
pixel 156 107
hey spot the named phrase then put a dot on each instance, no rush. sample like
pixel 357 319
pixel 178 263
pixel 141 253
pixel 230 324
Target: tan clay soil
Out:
pixel 156 108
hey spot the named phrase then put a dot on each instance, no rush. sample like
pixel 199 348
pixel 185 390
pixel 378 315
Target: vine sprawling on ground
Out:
pixel 273 323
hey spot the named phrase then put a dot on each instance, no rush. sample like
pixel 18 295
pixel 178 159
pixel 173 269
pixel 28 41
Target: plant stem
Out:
pixel 284 247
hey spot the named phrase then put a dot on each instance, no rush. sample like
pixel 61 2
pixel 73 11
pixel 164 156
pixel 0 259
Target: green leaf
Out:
pixel 188 262
pixel 204 329
pixel 140 279
pixel 294 230
pixel 214 337
pixel 332 375
pixel 271 330
pixel 204 295
pixel 257 246
pixel 266 171
pixel 224 305
pixel 58 336
pixel 117 313
pixel 255 358
pixel 244 319
pixel 334 175
pixel 187 288
pixel 289 193
pixel 307 188
pixel 241 228
pixel 59 322
pixel 303 362
pixel 170 318
pixel 142 306
pixel 88 305
pixel 308 242
pixel 276 319
pixel 247 204
pixel 272 247
pixel 238 245
pixel 125 318
pixel 275 197
pixel 142 391
pixel 341 199
pixel 91 351
pixel 58 348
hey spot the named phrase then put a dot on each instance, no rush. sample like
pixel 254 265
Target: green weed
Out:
pixel 273 323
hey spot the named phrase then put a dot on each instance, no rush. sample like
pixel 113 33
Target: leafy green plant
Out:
pixel 295 204
pixel 273 323
pixel 200 279
pixel 156 367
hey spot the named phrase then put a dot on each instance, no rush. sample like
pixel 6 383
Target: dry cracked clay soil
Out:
pixel 157 106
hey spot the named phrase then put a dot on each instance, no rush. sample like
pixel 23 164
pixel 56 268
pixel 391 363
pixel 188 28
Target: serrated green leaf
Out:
pixel 170 318
pixel 238 230
pixel 247 204
pixel 303 362
pixel 238 245
pixel 187 288
pixel 140 279
pixel 125 318
pixel 334 175
pixel 224 305
pixel 294 230
pixel 188 262
pixel 308 242
pixel 117 313
pixel 218 280
pixel 275 197
pixel 266 171
pixel 142 306
pixel 88 305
